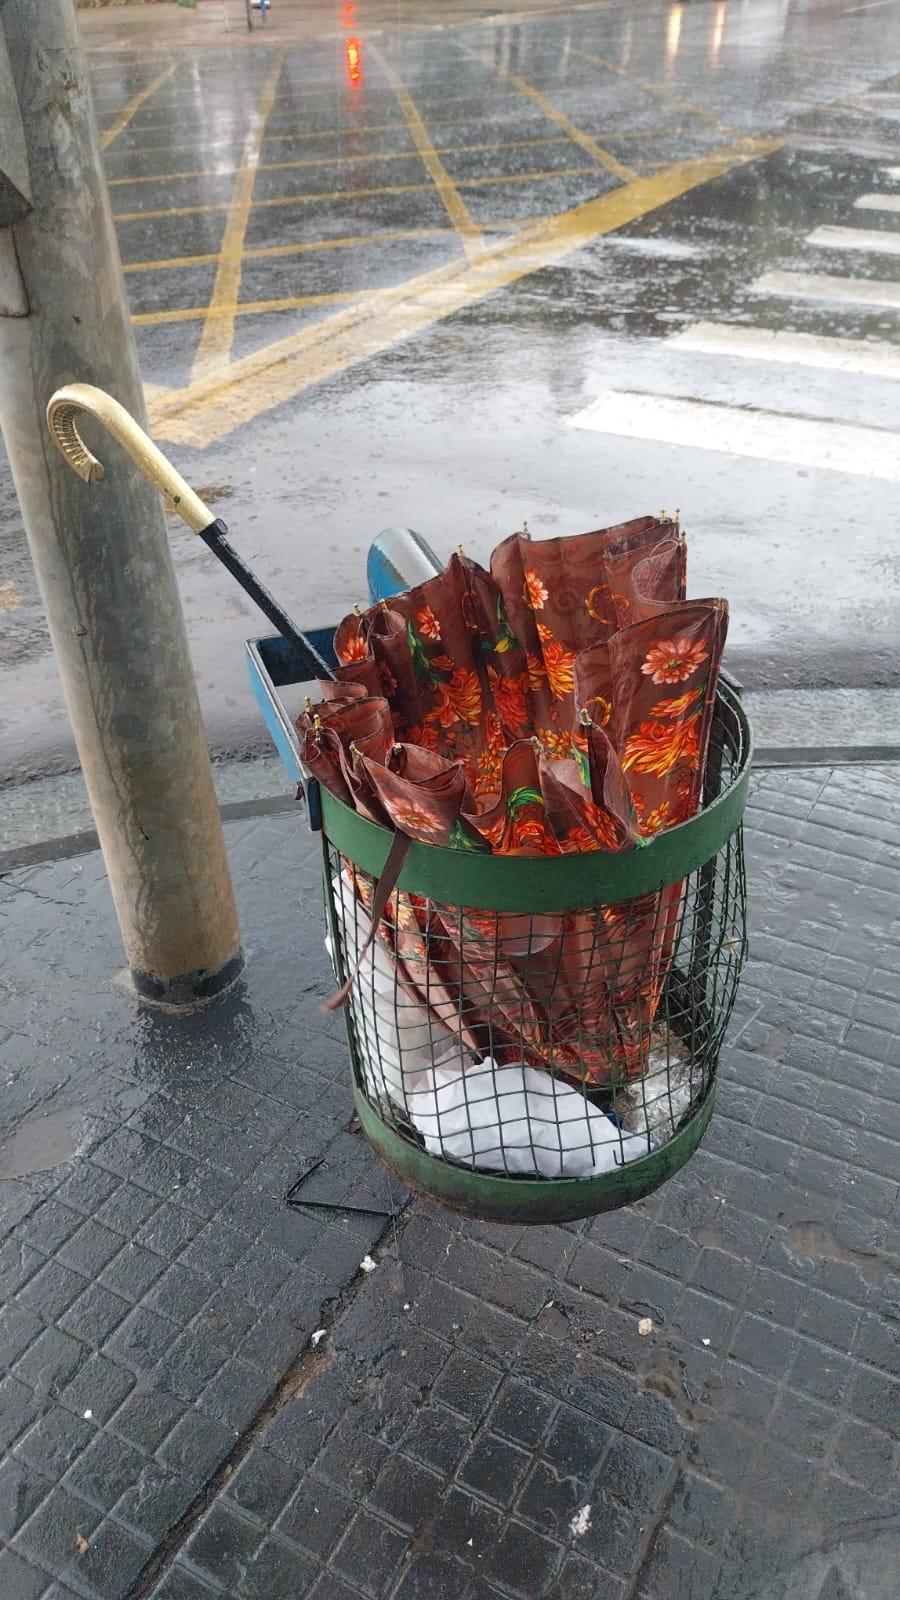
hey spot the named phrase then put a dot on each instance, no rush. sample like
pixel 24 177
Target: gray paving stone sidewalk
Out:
pixel 482 1417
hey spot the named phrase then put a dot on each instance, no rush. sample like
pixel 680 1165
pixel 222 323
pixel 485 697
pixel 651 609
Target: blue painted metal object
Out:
pixel 398 559
pixel 275 664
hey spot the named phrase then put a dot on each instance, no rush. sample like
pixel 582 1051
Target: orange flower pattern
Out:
pixel 655 819
pixel 428 624
pixel 458 701
pixel 534 591
pixel 493 659
pixel 560 665
pixel 353 648
pixel 536 672
pixel 677 708
pixel 674 660
pixel 423 735
pixel 418 823
pixel 602 826
pixel 531 834
pixel 658 746
pixel 556 743
pixel 511 702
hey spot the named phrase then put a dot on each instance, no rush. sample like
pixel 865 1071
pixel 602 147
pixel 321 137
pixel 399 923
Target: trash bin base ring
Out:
pixel 494 1197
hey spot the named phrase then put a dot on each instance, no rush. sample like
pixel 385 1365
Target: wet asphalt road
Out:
pixel 327 353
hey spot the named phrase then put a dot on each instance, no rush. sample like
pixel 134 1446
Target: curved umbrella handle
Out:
pixel 62 410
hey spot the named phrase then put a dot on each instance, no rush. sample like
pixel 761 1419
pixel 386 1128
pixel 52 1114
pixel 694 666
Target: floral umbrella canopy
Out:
pixel 559 702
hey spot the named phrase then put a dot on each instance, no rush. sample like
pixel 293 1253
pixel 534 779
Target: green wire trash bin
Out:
pixel 658 933
pixel 533 1038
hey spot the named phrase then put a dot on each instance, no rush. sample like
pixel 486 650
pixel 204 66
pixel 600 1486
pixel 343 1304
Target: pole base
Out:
pixel 189 990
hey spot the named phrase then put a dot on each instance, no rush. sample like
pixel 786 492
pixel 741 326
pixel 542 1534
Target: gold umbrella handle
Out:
pixel 62 410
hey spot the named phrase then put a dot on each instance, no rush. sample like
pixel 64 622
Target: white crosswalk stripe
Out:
pixel 802 434
pixel 868 292
pixel 880 240
pixel 878 202
pixel 739 431
pixel 859 356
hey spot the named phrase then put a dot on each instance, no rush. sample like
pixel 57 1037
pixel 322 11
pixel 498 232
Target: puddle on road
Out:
pixel 817 1243
pixel 41 1142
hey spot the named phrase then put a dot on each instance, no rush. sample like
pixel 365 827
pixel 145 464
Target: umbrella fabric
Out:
pixel 507 1119
pixel 560 702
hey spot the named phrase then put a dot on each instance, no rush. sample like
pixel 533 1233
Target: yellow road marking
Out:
pixel 340 159
pixel 396 125
pixel 215 406
pixel 348 194
pixel 260 252
pixel 351 130
pixel 655 89
pixel 245 308
pixel 593 149
pixel 155 394
pixel 218 327
pixel 303 99
pixel 453 202
pixel 128 111
pixel 302 108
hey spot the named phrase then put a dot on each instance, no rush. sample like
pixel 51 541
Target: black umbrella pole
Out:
pixel 216 538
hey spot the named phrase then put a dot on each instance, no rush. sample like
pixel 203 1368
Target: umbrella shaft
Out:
pixel 215 537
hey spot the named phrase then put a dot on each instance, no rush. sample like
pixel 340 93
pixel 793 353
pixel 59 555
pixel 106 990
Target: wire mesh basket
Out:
pixel 536 1039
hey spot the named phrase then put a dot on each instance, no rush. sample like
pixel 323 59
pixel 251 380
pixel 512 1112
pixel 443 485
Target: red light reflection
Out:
pixel 354 61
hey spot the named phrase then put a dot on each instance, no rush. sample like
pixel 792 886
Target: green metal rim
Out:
pixel 496 1198
pixel 549 883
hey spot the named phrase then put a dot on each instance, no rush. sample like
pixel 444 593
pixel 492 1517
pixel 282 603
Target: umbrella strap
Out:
pixel 384 888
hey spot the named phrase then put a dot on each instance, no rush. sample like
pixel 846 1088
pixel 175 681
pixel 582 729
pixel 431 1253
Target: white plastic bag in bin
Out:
pixel 513 1119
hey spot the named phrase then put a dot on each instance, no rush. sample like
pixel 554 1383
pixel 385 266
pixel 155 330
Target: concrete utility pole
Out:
pixel 102 554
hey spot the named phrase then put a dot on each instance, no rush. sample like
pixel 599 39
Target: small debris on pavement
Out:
pixel 704 1341
pixel 82 1544
pixel 88 1414
pixel 645 1326
pixel 317 1337
pixel 367 1264
pixel 580 1522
